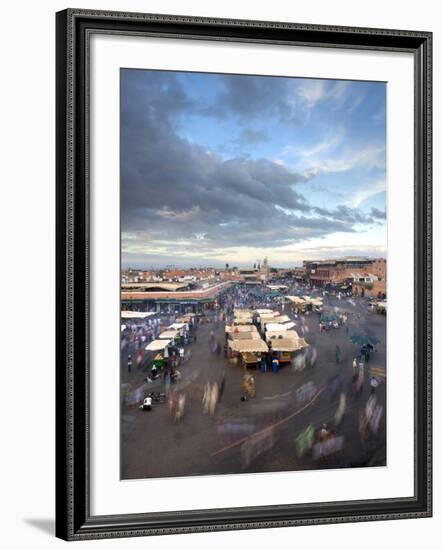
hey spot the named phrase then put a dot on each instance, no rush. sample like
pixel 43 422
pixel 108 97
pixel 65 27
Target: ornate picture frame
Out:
pixel 74 520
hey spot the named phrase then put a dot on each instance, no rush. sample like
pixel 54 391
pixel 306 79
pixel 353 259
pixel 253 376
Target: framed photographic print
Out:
pixel 243 274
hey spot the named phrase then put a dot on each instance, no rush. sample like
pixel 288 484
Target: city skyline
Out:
pixel 222 266
pixel 223 169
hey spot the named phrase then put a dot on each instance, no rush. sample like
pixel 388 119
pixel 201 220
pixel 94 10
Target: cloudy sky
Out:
pixel 222 169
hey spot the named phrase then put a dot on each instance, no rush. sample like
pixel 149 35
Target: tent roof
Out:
pixel 269 316
pixel 154 285
pixel 280 334
pixel 240 328
pixel 277 287
pixel 177 326
pixel 242 312
pixel 243 321
pixel 275 327
pixel 288 344
pixel 282 319
pixel 251 345
pixel 168 334
pixel 157 345
pixel 244 335
pixel 314 301
pixel 295 299
pixel 136 314
pixel 184 318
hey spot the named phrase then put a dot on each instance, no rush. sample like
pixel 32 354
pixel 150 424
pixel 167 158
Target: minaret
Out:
pixel 265 268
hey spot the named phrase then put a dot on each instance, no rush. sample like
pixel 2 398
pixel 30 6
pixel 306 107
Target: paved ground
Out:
pixel 257 435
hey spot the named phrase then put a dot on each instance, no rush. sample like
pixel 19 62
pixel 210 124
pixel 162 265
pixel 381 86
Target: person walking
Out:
pixel 337 353
pixel 374 384
pixel 275 364
pixel 167 379
pixel 354 366
pixel 263 364
pixel 338 417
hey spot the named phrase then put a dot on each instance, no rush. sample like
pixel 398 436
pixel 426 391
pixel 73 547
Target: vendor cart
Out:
pixel 159 361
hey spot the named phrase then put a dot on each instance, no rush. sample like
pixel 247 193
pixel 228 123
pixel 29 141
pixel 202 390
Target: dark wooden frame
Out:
pixel 73 518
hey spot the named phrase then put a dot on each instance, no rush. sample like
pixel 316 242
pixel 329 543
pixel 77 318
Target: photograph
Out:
pixel 253 272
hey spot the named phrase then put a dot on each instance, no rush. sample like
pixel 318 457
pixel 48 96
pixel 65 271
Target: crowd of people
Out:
pixel 345 388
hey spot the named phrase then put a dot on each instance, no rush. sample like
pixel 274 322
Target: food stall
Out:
pixel 286 347
pixel 241 329
pixel 242 321
pixel 125 314
pixel 178 326
pixel 298 303
pixel 268 319
pixel 160 347
pixel 274 327
pixel 315 304
pixel 282 319
pixel 273 334
pixel 169 334
pixel 250 351
pixel 254 335
pixel 187 318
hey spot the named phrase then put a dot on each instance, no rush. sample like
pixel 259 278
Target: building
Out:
pixel 344 271
pixel 256 275
pixel 170 297
pixel 369 284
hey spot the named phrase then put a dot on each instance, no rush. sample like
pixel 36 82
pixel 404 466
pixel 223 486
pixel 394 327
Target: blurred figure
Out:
pixel 341 409
pixel 154 372
pixel 373 414
pixel 248 386
pixel 357 386
pixel 263 366
pixel 323 433
pixel 180 408
pixel 206 398
pixel 275 364
pixel 213 398
pixel 305 440
pixel 354 366
pixel 335 385
pixel 167 379
pixel 374 383
pixel 172 403
pixel 257 444
pixel 337 353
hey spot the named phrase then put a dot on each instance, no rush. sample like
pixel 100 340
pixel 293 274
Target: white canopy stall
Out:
pixel 136 314
pixel 157 345
pixel 168 334
pixel 275 327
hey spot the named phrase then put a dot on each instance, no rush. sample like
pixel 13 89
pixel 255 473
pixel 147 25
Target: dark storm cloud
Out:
pixel 378 214
pixel 245 97
pixel 346 214
pixel 174 191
